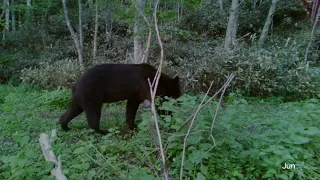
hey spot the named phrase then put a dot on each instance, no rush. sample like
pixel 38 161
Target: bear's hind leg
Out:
pixel 93 114
pixel 73 111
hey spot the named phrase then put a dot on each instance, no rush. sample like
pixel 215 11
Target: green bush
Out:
pixel 275 71
pixel 249 140
pixel 59 74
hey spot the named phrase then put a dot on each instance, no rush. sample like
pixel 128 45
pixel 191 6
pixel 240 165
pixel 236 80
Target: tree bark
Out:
pixel 109 23
pixel 13 18
pixel 7 15
pixel 80 26
pixel 221 5
pixel 137 40
pixel 268 22
pixel 180 10
pixel 28 11
pixel 74 35
pixel 94 53
pixel 91 3
pixel 231 32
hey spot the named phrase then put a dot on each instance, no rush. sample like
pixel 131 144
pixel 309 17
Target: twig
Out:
pixel 146 155
pixel 103 156
pixel 153 92
pixel 216 113
pixel 218 106
pixel 311 38
pixel 188 133
pixel 146 51
pixel 180 135
pixel 209 100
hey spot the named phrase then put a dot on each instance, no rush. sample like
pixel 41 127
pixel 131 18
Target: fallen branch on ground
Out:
pixel 45 143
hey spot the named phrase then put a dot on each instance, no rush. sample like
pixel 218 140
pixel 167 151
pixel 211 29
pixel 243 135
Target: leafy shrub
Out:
pixel 274 71
pixel 251 141
pixel 206 20
pixel 57 99
pixel 12 64
pixel 268 141
pixel 29 38
pixel 53 76
pixel 209 20
pixel 27 163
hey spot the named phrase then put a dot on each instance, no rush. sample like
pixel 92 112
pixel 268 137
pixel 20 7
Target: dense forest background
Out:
pixel 267 119
pixel 37 46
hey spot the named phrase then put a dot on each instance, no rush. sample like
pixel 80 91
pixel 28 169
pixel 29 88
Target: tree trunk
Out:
pixel 94 53
pixel 180 10
pixel 74 35
pixel 268 22
pixel 231 32
pixel 80 27
pixel 19 20
pixel 6 12
pixel 13 18
pixel 137 41
pixel 221 5
pixel 109 23
pixel 178 14
pixel 28 11
pixel 7 15
pixel 90 2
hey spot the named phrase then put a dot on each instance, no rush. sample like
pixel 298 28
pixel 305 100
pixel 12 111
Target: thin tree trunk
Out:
pixel 19 19
pixel 312 37
pixel 181 10
pixel 80 27
pixel 137 41
pixel 232 25
pixel 268 22
pixel 178 8
pixel 73 34
pixel 13 18
pixel 221 5
pixel 7 16
pixel 95 32
pixel 6 13
pixel 90 3
pixel 235 27
pixel 109 23
pixel 28 11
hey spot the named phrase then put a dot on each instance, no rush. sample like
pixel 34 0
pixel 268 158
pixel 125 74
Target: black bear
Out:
pixel 116 82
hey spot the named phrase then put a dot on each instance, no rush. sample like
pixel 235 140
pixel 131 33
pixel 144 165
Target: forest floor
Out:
pixel 255 138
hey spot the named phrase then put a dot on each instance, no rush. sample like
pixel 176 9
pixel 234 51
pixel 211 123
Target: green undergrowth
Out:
pixel 252 139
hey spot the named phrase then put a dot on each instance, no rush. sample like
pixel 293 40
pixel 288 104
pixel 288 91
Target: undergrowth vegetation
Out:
pixel 252 138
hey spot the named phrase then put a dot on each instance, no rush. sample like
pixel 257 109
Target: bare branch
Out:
pixel 153 90
pixel 209 100
pixel 189 130
pixel 146 51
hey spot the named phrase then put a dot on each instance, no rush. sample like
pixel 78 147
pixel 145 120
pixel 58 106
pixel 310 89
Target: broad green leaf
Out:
pixel 200 176
pixel 49 166
pixel 79 150
pixel 282 176
pixel 312 131
pixel 194 139
pixel 188 165
pixel 30 153
pixel 147 177
pixel 204 169
pixel 297 139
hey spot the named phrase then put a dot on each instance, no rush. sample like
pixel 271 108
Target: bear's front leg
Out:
pixel 131 111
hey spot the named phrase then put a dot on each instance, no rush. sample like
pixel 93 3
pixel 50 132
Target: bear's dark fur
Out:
pixel 115 82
